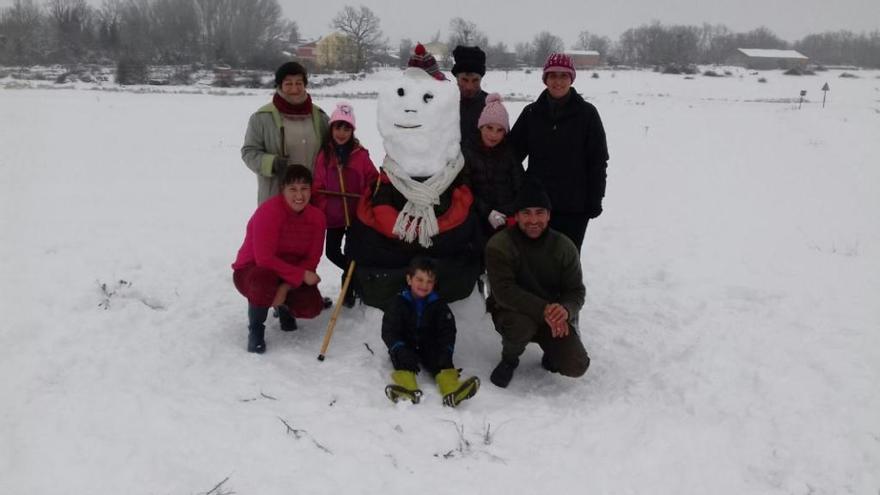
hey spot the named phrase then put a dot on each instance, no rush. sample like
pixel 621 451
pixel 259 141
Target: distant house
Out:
pixel 331 51
pixel 307 52
pixel 761 59
pixel 583 59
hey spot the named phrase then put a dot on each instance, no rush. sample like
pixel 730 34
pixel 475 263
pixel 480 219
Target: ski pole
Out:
pixel 336 310
pixel 283 143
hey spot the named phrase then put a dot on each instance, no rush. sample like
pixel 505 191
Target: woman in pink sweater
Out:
pixel 276 263
pixel 343 170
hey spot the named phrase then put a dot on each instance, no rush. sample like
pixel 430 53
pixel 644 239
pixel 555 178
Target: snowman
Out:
pixel 420 205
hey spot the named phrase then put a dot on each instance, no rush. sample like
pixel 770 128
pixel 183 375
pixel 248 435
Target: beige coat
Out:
pixel 262 143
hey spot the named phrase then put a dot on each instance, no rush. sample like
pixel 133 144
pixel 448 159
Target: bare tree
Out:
pixel 404 49
pixel 655 44
pixel 590 41
pixel 71 22
pixel 497 56
pixel 761 37
pixel 543 45
pixel 109 25
pixel 362 27
pixel 175 31
pixel 462 32
pixel 22 33
pixel 525 52
pixel 243 32
pixel 716 43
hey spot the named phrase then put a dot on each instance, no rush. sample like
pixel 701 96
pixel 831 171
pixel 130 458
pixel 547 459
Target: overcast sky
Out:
pixel 514 21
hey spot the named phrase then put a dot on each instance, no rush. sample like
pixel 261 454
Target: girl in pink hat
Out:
pixel 343 171
pixel 491 170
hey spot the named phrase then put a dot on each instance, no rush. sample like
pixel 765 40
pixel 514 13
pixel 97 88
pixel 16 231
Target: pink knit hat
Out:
pixel 494 113
pixel 558 62
pixel 344 112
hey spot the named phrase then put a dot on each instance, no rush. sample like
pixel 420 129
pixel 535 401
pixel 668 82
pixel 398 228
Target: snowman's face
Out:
pixel 418 120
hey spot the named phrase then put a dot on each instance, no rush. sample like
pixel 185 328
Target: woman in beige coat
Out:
pixel 287 131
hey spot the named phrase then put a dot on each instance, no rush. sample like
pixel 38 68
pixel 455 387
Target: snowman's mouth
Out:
pixel 401 126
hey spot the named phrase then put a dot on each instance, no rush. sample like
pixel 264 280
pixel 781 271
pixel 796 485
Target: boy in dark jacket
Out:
pixel 419 328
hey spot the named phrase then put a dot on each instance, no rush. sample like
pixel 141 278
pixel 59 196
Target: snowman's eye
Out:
pixel 428 97
pixel 400 92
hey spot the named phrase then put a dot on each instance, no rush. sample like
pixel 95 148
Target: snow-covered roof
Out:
pixel 763 53
pixel 582 52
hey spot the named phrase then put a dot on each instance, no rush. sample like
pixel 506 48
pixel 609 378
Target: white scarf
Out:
pixel 417 216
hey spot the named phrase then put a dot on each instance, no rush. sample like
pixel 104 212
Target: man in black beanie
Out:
pixel 537 290
pixel 469 69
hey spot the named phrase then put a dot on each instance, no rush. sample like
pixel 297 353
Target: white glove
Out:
pixel 497 219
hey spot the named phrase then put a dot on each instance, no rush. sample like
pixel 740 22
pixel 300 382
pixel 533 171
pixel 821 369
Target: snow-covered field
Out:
pixel 732 311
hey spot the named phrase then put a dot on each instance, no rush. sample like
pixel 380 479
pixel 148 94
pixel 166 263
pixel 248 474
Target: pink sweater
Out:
pixel 359 175
pixel 279 239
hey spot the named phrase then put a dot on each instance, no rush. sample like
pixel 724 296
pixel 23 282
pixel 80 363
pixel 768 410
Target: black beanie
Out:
pixel 469 59
pixel 532 195
pixel 290 69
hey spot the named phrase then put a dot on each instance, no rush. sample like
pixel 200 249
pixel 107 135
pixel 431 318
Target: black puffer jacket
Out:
pixel 567 152
pixel 494 176
pixel 470 109
pixel 425 326
pixel 382 258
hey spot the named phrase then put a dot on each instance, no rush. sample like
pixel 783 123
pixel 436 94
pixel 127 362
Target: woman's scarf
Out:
pixel 287 108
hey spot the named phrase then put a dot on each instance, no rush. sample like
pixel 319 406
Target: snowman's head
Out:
pixel 418 120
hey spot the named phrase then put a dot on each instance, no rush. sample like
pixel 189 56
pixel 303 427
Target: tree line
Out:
pixel 253 34
pixel 241 33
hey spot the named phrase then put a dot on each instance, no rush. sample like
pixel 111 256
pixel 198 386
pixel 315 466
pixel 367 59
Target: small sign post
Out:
pixel 803 93
pixel 825 90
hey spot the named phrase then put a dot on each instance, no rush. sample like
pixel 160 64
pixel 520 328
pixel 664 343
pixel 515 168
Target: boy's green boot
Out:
pixel 404 387
pixel 454 391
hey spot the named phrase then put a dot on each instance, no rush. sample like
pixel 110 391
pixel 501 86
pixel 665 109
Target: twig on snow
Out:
pixel 262 394
pixel 217 490
pixel 368 348
pixel 297 434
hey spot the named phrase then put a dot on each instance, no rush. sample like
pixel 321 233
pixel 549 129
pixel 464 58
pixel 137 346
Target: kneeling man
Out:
pixel 537 290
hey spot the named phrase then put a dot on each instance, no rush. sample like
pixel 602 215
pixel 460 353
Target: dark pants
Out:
pixel 259 286
pixel 334 252
pixel 333 247
pixel 433 359
pixel 573 225
pixel 565 354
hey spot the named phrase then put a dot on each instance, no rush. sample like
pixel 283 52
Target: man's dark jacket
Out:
pixel 470 110
pixel 527 274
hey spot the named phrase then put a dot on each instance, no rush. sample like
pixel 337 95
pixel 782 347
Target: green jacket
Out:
pixel 262 143
pixel 527 274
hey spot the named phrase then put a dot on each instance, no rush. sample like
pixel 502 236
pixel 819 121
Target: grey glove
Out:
pixel 497 219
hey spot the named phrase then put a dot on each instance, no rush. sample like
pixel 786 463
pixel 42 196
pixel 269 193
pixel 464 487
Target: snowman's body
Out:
pixel 420 206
